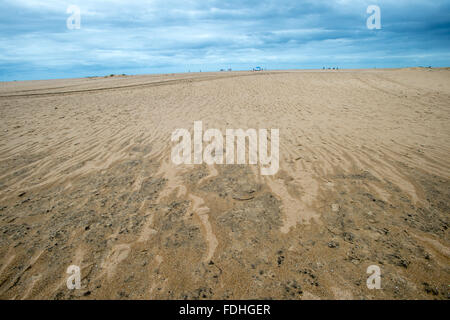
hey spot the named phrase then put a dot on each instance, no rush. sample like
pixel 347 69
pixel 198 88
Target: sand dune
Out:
pixel 86 179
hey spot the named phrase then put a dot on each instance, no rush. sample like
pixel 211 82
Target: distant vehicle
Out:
pixel 258 69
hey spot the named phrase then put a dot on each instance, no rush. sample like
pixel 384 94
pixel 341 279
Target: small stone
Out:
pixel 349 237
pixel 333 244
pixel 335 207
pixel 430 289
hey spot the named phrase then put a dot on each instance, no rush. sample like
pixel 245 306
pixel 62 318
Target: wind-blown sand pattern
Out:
pixel 364 179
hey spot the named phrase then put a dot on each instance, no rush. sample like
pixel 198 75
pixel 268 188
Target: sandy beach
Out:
pixel 86 179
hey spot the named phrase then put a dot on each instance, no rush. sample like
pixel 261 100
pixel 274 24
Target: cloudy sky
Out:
pixel 164 36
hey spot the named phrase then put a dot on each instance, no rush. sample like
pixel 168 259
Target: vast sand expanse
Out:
pixel 86 179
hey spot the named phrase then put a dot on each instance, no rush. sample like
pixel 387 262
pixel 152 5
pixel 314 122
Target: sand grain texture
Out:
pixel 364 179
